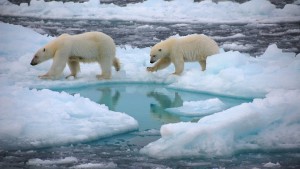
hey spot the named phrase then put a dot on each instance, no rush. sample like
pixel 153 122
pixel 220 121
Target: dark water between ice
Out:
pixel 147 104
pixel 254 40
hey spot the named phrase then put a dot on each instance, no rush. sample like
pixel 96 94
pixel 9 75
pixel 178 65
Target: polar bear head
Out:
pixel 42 55
pixel 160 50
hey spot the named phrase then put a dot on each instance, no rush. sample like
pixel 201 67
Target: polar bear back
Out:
pixel 90 45
pixel 195 47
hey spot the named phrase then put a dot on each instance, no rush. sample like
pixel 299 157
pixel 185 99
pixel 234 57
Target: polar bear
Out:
pixel 189 48
pixel 72 49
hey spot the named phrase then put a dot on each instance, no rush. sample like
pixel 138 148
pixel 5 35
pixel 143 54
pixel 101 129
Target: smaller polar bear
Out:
pixel 72 49
pixel 189 48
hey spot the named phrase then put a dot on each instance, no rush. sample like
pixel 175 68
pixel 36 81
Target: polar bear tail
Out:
pixel 116 64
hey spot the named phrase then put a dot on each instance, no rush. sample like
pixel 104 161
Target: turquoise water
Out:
pixel 147 103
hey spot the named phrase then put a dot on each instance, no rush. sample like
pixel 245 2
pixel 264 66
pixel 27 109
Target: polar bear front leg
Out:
pixel 57 67
pixel 161 64
pixel 179 65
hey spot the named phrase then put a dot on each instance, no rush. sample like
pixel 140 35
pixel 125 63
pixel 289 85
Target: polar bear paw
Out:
pixel 45 76
pixel 102 77
pixel 70 76
pixel 151 69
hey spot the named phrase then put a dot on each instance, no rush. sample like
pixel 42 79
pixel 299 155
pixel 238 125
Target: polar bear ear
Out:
pixel 159 50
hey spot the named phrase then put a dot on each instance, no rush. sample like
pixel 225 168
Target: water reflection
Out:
pixel 109 98
pixel 158 111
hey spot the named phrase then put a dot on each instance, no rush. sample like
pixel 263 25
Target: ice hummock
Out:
pixel 33 118
pixel 159 10
pixel 270 122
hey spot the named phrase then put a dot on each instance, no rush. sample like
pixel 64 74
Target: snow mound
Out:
pixel 41 118
pixel 271 123
pixel 236 74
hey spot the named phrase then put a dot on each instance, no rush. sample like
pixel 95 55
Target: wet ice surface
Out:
pixel 251 38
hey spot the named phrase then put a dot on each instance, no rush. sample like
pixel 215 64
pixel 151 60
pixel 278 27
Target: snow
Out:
pixel 235 36
pixel 271 165
pixel 40 162
pixel 96 165
pixel 69 161
pixel 158 10
pixel 34 116
pixel 264 124
pixel 40 118
pixel 235 46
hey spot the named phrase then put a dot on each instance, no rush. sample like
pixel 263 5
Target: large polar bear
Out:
pixel 189 48
pixel 72 49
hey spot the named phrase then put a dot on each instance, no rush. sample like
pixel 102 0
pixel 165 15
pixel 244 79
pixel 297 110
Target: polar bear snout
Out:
pixel 153 60
pixel 34 61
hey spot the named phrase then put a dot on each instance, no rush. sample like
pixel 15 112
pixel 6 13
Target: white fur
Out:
pixel 174 50
pixel 72 49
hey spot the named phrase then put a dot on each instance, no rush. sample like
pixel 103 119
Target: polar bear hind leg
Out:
pixel 116 64
pixel 105 64
pixel 203 64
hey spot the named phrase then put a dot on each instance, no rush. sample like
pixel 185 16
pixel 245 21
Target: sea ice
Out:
pixel 109 165
pixel 40 162
pixel 271 165
pixel 158 10
pixel 270 122
pixel 265 124
pixel 41 118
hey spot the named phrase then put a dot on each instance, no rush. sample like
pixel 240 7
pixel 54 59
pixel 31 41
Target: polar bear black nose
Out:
pixel 33 62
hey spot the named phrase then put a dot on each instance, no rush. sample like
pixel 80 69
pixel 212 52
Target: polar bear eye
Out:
pixel 159 50
pixel 44 49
